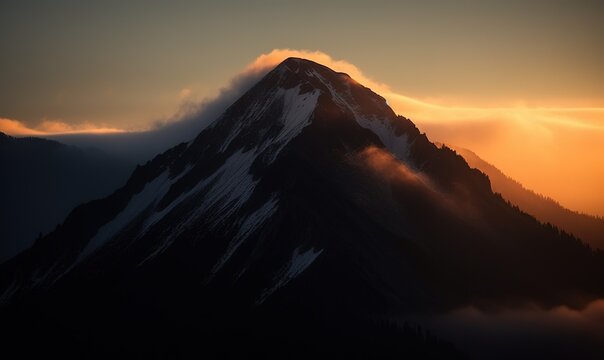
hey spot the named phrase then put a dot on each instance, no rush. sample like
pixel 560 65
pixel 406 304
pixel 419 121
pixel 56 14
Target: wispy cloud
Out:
pixel 558 333
pixel 455 200
pixel 53 127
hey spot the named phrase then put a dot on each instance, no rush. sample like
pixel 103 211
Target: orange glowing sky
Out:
pixel 520 83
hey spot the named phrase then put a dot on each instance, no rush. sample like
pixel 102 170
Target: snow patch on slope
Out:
pixel 382 127
pixel 296 113
pixel 231 185
pixel 7 295
pixel 226 190
pixel 251 223
pixel 251 115
pixel 299 262
pixel 156 216
pixel 152 192
pixel 397 144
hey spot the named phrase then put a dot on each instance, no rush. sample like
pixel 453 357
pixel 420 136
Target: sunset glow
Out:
pixel 50 127
pixel 536 145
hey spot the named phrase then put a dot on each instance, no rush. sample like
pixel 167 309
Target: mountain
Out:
pixel 307 219
pixel 545 209
pixel 42 180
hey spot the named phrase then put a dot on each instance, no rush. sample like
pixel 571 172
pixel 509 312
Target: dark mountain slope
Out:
pixel 42 180
pixel 308 214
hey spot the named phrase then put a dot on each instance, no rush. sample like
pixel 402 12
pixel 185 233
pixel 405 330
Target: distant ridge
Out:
pixel 42 180
pixel 587 227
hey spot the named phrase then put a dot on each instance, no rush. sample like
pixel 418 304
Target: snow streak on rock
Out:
pixel 299 262
pixel 251 223
pixel 139 202
pixel 382 127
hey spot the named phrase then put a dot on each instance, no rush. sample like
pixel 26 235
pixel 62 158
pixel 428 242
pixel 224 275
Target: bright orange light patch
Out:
pixel 52 127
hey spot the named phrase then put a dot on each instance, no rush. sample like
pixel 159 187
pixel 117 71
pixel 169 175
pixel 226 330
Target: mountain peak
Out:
pixel 342 88
pixel 305 67
pixel 292 60
pixel 297 65
pixel 298 92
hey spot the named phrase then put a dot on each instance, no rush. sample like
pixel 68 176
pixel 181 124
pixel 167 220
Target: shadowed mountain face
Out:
pixel 307 214
pixel 42 181
pixel 546 210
